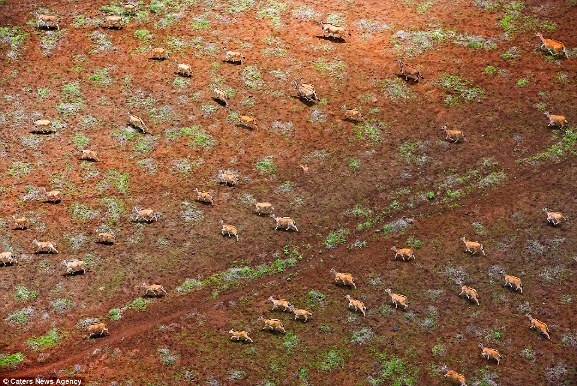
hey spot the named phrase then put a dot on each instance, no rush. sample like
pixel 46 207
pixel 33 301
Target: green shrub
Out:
pixel 45 341
pixel 11 360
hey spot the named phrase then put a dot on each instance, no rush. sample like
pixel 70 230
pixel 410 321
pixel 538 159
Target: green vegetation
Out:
pixel 200 22
pixel 336 238
pixel 252 77
pixel 14 37
pixel 100 77
pixel 189 285
pixel 370 131
pixel 49 41
pixel 511 53
pixel 21 316
pixel 61 305
pixel 43 92
pixel 460 89
pixel 331 360
pixel 490 70
pixel 115 314
pixel 290 342
pixel 43 342
pixel 334 68
pixel 138 304
pixel 23 294
pixel 199 138
pixel 424 6
pixel 413 242
pixel 266 165
pixel 80 140
pixel 167 358
pixel 82 212
pixel 396 89
pixel 556 151
pixel 522 82
pixel 354 164
pixel 273 12
pixel 11 360
pixel 392 371
pixel 238 6
pixel 19 169
pixel 143 34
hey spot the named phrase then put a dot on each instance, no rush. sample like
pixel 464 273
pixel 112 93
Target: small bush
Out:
pixel 331 360
pixel 167 358
pixel 266 165
pixel 336 238
pixel 21 316
pixel 138 304
pixel 115 314
pixel 188 285
pixel 45 341
pixel 11 360
pixel 23 294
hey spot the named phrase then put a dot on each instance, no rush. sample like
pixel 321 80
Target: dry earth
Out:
pixel 361 180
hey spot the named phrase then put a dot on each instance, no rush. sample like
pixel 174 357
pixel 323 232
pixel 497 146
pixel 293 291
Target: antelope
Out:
pixel 264 207
pixel 333 31
pixel 344 278
pixel 470 293
pixel 52 196
pixel 205 197
pixel 279 303
pixel 113 22
pixel 147 215
pixel 44 246
pixel 75 266
pixel 453 135
pixel 272 324
pixel 553 46
pixel 240 335
pixel 227 178
pixel 159 53
pixel 220 95
pixel 300 313
pixel 153 289
pixel 6 258
pixel 556 120
pixel 89 155
pixel 230 230
pixel 511 281
pixel 473 246
pixel 183 69
pixel 409 72
pixel 539 325
pixel 20 223
pixel 353 115
pixel 403 252
pixel 455 377
pixel 306 91
pixel 97 329
pixel 105 238
pixel 46 21
pixel 136 122
pixel 554 218
pixel 490 353
pixel 248 121
pixel 397 299
pixel 357 305
pixel 287 222
pixel 42 126
pixel 233 57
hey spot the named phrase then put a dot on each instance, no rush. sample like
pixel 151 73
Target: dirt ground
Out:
pixel 360 180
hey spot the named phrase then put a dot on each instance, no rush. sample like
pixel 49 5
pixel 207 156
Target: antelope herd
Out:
pixel 306 92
